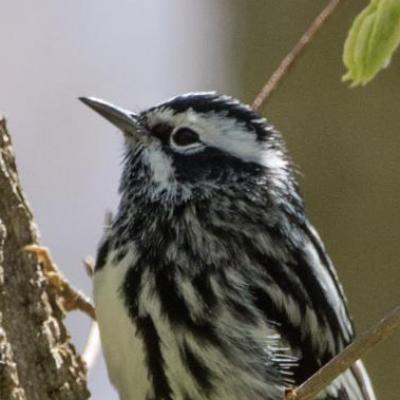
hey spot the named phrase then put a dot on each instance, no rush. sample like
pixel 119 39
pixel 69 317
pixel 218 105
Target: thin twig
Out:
pixel 321 379
pixel 294 54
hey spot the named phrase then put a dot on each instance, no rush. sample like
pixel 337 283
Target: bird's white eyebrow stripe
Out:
pixel 225 134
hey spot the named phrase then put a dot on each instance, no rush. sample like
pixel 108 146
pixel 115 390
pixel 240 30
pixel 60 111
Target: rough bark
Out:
pixel 37 359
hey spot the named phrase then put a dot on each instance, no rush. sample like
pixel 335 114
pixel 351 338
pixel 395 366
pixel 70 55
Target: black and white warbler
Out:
pixel 210 282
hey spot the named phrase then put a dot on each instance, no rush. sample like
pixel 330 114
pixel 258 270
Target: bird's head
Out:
pixel 194 144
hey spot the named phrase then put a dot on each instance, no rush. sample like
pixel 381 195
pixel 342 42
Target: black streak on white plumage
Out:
pixel 230 291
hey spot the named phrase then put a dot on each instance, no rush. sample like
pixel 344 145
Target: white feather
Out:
pixel 123 351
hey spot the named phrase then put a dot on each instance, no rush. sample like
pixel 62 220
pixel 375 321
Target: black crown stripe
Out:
pixel 210 102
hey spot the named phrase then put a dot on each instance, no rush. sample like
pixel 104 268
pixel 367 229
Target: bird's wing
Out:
pixel 326 326
pixel 293 283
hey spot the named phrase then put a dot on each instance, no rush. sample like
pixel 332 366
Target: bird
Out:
pixel 210 281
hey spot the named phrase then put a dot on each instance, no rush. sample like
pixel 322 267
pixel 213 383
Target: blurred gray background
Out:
pixel 136 53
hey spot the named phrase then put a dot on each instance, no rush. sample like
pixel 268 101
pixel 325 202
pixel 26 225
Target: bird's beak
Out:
pixel 125 120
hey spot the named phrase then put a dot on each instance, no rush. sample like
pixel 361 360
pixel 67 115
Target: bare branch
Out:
pixel 37 359
pixel 294 54
pixel 369 339
pixel 10 385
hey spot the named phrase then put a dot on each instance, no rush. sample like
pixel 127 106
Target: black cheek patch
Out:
pixel 210 164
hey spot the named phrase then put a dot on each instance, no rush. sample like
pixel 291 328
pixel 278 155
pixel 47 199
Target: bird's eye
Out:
pixel 185 137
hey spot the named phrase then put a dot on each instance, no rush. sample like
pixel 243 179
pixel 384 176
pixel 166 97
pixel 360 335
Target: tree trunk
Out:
pixel 37 359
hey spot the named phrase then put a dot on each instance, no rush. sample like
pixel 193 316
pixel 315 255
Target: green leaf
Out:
pixel 372 40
